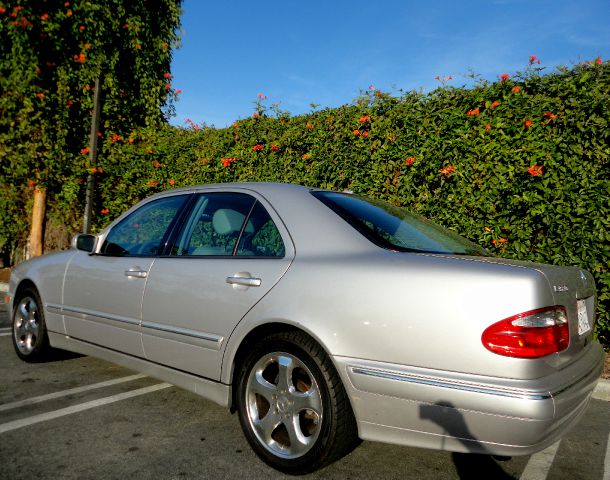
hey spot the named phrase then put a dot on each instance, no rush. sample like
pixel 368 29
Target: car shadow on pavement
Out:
pixel 468 465
pixel 57 355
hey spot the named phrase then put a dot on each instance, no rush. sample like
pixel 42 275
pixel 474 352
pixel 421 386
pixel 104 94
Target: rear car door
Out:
pixel 230 252
pixel 103 291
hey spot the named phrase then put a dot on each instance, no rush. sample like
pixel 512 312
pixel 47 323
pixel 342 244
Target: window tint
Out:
pixel 227 224
pixel 261 237
pixel 143 232
pixel 396 228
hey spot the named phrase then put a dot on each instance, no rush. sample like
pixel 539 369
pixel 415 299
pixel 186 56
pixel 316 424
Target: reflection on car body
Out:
pixel 322 318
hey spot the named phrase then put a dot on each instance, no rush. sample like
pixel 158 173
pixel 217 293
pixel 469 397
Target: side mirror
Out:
pixel 84 242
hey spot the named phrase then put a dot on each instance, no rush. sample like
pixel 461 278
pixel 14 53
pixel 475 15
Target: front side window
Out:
pixel 144 231
pixel 229 224
pixel 396 228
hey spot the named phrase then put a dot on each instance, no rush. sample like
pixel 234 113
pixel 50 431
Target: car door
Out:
pixel 103 291
pixel 230 252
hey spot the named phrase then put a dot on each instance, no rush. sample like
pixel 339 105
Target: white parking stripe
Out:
pixel 607 461
pixel 539 464
pixel 71 391
pixel 43 417
pixel 5 329
pixel 7 334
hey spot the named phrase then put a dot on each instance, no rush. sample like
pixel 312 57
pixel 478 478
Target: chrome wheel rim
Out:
pixel 26 325
pixel 284 405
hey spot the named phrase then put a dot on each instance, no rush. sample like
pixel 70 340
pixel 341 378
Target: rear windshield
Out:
pixel 396 228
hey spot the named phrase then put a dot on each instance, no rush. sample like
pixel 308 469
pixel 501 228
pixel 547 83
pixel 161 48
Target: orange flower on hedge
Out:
pixel 154 183
pixel 31 183
pixel 258 147
pixel 365 134
pixel 495 104
pixel 473 113
pixel 167 75
pixel 516 89
pixel 499 241
pixel 69 13
pixel 504 77
pixel 226 162
pixel 409 161
pixel 81 28
pixel 549 115
pixel 256 115
pixel 488 127
pixel 274 147
pixel 84 151
pixel 534 59
pixel 599 61
pixel 172 181
pixel 305 156
pixel 309 125
pixel 104 211
pixel 2 10
pixel 80 58
pixel 356 132
pixel 450 169
pixel 115 138
pixel 535 170
pixel 528 123
pixel 156 164
pixel 40 96
pixel 364 119
pixel 44 17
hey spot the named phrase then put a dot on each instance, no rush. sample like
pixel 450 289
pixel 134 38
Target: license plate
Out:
pixel 583 318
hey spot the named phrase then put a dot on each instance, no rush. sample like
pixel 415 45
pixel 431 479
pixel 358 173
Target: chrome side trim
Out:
pixel 435 382
pixel 210 337
pixel 216 340
pixel 83 312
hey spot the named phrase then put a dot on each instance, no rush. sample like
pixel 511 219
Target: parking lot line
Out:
pixel 5 334
pixel 43 417
pixel 539 464
pixel 71 391
pixel 607 461
pixel 5 329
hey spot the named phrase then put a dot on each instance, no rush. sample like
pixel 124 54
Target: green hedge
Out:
pixel 519 166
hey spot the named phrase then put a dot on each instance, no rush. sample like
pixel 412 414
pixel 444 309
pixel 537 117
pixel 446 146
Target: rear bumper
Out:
pixel 468 413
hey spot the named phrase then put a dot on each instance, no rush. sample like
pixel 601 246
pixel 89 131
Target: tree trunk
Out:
pixel 35 241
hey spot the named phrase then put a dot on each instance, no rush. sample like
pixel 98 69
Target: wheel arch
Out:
pixel 23 285
pixel 255 334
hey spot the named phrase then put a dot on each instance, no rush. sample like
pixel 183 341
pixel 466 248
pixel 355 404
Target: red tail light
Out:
pixel 531 334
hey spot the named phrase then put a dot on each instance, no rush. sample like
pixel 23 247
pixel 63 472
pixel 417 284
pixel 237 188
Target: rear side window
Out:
pixel 396 228
pixel 226 225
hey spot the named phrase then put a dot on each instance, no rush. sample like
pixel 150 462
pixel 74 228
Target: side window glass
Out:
pixel 142 232
pixel 261 237
pixel 214 225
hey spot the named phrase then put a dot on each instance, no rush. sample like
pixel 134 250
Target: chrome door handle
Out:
pixel 244 281
pixel 136 273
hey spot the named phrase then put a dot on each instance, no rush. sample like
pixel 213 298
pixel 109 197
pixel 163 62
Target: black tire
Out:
pixel 313 418
pixel 29 330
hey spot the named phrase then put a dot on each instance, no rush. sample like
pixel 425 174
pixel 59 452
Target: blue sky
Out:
pixel 326 52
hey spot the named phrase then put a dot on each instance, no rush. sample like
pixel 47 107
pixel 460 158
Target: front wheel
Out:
pixel 29 329
pixel 292 405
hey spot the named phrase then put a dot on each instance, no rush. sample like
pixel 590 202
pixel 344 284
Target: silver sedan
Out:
pixel 322 318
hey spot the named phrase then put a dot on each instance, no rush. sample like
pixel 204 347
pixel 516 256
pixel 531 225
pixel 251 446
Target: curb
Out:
pixel 601 392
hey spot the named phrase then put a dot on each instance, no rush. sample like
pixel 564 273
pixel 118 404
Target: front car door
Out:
pixel 230 252
pixel 103 291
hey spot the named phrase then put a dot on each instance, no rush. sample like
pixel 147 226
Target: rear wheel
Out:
pixel 292 405
pixel 29 329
